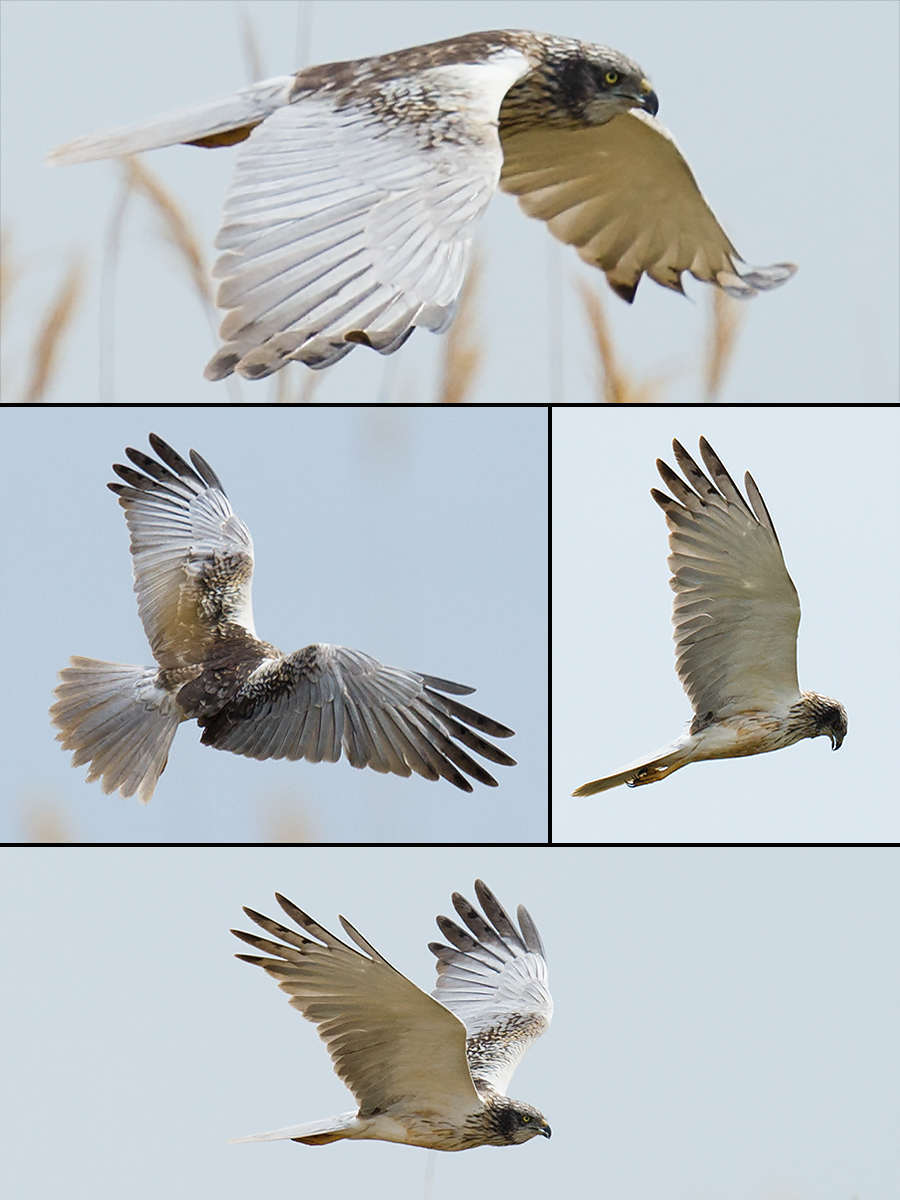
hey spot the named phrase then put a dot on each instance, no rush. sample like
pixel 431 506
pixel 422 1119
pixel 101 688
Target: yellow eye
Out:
pixel 611 77
pixel 525 1118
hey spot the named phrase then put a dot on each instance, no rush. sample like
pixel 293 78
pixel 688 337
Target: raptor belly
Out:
pixel 746 733
pixel 422 1129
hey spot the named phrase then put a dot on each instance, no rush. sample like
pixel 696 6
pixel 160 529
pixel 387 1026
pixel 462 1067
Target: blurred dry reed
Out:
pixel 616 385
pixel 463 343
pixel 43 822
pixel 296 384
pixel 57 319
pixel 176 227
pixel 43 356
pixel 727 316
pixel 285 822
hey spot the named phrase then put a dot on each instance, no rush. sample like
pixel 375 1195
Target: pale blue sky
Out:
pixel 725 1024
pixel 829 479
pixel 417 535
pixel 786 112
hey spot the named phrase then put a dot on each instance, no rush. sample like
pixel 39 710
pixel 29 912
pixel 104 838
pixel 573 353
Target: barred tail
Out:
pixel 119 720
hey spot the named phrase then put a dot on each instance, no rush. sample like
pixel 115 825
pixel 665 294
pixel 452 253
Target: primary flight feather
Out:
pixel 424 1070
pixel 193 565
pixel 736 619
pixel 351 214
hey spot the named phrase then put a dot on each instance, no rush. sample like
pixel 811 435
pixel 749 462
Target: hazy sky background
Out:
pixel 417 535
pixel 786 112
pixel 829 481
pixel 725 1023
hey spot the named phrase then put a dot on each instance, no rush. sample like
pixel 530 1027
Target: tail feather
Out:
pixel 119 720
pixel 313 1133
pixel 644 770
pixel 210 122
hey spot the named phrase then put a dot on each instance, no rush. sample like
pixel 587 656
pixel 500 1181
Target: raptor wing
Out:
pixel 193 558
pixel 624 196
pixel 494 977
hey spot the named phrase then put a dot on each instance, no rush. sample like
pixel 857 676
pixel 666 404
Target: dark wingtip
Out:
pixel 625 291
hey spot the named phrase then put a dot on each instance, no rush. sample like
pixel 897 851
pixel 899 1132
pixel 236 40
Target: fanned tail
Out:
pixel 119 720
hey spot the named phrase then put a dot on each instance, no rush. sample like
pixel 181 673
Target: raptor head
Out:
pixel 829 718
pixel 513 1121
pixel 595 84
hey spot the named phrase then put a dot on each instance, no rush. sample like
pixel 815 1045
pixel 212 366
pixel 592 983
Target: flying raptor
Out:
pixel 350 217
pixel 736 619
pixel 193 563
pixel 425 1070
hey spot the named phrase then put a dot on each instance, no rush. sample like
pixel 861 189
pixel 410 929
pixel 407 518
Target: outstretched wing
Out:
pixel 395 1048
pixel 351 215
pixel 495 980
pixel 736 609
pixel 321 699
pixel 623 195
pixel 193 558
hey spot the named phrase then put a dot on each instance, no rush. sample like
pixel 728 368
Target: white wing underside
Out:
pixel 736 612
pixel 183 534
pixel 624 196
pixel 341 220
pixel 494 978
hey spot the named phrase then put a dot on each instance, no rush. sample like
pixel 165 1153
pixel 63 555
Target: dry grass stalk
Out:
pixel 463 346
pixel 727 316
pixel 614 383
pixel 296 385
pixel 252 51
pixel 10 271
pixel 44 823
pixel 48 342
pixel 286 823
pixel 176 225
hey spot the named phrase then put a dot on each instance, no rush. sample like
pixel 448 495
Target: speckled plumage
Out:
pixel 424 1071
pixel 193 565
pixel 356 195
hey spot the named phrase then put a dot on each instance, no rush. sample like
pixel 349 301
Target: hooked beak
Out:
pixel 648 99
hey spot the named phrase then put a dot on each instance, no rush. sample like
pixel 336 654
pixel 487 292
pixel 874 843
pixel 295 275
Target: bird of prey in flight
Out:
pixel 351 214
pixel 193 563
pixel 736 618
pixel 425 1070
